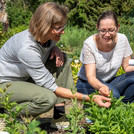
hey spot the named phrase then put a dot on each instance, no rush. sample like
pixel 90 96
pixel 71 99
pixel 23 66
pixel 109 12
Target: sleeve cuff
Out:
pixel 53 87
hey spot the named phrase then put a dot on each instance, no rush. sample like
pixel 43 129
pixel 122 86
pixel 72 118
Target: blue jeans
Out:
pixel 122 85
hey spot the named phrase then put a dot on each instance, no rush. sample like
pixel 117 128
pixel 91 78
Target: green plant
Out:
pixel 75 65
pixel 84 13
pixel 118 119
pixel 120 71
pixel 129 32
pixel 75 115
pixel 4 36
pixel 72 40
pixel 10 118
pixel 18 12
pixel 34 129
pixel 12 111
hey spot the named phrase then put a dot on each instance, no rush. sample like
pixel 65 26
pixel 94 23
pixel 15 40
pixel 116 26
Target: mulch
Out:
pixel 46 122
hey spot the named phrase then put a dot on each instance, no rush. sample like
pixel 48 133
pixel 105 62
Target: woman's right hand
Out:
pixel 104 91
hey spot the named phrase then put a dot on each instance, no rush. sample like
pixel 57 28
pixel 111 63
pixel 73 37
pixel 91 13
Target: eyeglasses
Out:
pixel 111 31
pixel 58 29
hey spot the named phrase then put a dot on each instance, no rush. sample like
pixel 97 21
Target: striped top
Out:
pixel 107 63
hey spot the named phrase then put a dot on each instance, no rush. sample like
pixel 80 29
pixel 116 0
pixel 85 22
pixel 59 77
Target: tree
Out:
pixel 84 13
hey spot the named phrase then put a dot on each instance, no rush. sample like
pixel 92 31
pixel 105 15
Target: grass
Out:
pixel 72 40
pixel 129 32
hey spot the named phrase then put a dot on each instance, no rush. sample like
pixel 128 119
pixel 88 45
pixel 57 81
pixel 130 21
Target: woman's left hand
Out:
pixel 104 91
pixel 56 52
pixel 99 99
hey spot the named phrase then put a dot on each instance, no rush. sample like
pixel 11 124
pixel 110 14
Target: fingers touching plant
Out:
pixel 118 119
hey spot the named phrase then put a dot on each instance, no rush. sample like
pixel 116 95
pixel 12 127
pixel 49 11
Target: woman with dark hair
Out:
pixel 32 54
pixel 102 55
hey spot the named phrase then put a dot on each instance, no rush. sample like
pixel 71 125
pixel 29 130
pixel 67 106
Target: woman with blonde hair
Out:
pixel 32 54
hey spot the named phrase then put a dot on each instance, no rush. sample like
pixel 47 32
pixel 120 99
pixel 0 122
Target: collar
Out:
pixel 46 44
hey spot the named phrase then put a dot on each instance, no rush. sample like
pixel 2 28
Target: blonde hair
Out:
pixel 45 15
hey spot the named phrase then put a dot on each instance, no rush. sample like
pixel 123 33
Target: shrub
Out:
pixel 18 13
pixel 117 119
pixel 72 40
pixel 76 114
pixel 129 32
pixel 84 13
pixel 11 123
pixel 5 35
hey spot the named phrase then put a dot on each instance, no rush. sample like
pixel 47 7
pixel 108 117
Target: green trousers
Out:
pixel 38 99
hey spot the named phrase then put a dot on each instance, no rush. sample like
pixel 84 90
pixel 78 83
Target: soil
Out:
pixel 45 119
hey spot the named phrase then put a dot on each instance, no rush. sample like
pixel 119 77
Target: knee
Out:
pixel 116 93
pixel 46 102
pixel 82 87
pixel 52 100
pixel 130 80
pixel 130 77
pixel 80 84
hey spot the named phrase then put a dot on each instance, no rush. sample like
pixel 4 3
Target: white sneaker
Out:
pixel 60 123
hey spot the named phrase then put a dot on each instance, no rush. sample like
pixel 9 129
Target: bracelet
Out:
pixel 84 97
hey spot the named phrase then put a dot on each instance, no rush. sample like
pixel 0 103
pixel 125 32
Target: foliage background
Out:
pixel 83 16
pixel 83 13
pixel 81 21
